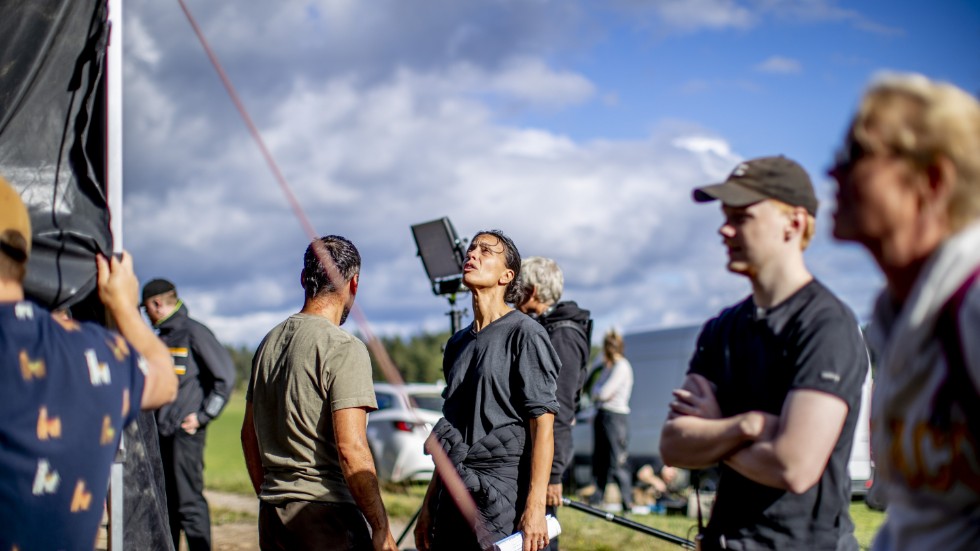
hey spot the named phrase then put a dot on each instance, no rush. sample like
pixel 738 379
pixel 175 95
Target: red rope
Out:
pixel 444 468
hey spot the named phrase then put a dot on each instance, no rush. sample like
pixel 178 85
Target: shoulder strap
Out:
pixel 958 386
pixel 567 323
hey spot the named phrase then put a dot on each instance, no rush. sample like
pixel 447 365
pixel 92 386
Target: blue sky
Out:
pixel 577 127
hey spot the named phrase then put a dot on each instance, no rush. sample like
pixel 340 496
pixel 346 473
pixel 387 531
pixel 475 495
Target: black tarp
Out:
pixel 52 150
pixel 52 136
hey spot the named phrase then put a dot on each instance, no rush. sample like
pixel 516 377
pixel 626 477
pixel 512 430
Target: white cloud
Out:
pixel 780 66
pixel 402 120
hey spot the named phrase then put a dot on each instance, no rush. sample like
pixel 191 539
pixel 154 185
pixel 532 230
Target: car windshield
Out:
pixel 431 402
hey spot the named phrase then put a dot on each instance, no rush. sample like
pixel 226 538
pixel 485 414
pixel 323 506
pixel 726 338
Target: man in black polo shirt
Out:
pixel 774 386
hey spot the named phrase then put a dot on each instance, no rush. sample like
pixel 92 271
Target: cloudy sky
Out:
pixel 577 127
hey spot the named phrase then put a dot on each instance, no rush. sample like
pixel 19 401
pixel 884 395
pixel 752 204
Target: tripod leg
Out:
pixel 408 527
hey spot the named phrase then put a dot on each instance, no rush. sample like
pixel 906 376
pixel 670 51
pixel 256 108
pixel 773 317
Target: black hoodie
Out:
pixel 571 342
pixel 205 371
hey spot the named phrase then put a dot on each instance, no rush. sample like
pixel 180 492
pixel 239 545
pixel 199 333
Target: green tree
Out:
pixel 418 359
pixel 242 358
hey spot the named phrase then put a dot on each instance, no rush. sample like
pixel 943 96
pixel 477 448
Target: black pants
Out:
pixel 312 525
pixel 183 469
pixel 610 455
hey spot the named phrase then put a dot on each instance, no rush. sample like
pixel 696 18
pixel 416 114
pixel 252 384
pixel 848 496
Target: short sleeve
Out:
pixel 706 359
pixel 537 368
pixel 347 378
pixel 832 357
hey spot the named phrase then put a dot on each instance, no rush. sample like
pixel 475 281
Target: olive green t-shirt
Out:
pixel 305 369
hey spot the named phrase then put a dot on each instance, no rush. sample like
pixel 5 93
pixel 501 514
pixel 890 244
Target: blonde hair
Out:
pixel 924 120
pixel 612 346
pixel 811 222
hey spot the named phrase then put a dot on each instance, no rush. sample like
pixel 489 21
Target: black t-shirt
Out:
pixel 755 357
pixel 504 375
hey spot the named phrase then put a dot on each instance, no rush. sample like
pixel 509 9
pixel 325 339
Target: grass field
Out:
pixel 225 471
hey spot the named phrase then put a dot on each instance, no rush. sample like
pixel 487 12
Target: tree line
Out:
pixel 417 358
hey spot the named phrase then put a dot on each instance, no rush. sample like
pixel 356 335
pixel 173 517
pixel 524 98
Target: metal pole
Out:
pixel 622 521
pixel 408 527
pixel 114 109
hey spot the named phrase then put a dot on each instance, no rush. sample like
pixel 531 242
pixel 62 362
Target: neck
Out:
pixel 330 307
pixel 488 306
pixel 11 291
pixel 776 283
pixel 901 258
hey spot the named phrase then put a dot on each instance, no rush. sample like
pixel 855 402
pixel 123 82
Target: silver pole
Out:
pixel 114 185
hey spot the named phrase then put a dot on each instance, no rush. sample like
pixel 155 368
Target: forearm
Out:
pixel 765 463
pixel 357 466
pixel 542 454
pixel 430 493
pixel 215 358
pixel 793 457
pixel 161 381
pixel 695 443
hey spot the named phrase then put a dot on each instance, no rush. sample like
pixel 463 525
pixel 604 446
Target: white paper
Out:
pixel 515 542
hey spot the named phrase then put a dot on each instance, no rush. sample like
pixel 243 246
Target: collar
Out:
pixel 173 314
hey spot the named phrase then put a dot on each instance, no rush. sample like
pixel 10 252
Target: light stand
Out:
pixel 442 253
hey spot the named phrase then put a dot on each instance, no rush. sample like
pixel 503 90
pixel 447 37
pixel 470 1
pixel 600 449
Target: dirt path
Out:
pixel 234 524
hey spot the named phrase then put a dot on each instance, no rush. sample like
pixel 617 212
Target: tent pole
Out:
pixel 114 189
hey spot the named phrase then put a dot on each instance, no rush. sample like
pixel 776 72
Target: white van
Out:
pixel 660 361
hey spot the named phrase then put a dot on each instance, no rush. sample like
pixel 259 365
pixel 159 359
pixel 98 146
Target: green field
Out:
pixel 225 471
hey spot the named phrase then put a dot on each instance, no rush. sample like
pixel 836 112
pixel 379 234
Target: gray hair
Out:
pixel 545 275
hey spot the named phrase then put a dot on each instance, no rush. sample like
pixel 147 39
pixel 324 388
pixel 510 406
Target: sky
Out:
pixel 578 128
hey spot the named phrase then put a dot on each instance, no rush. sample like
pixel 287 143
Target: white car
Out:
pixel 397 431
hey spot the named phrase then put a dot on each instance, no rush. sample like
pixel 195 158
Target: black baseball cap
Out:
pixel 157 287
pixel 778 178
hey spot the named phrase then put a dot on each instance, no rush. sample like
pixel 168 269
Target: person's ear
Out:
pixel 506 277
pixel 940 180
pixel 797 223
pixel 352 284
pixel 302 278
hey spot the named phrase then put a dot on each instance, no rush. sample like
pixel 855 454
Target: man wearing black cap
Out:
pixel 774 386
pixel 67 389
pixel 207 375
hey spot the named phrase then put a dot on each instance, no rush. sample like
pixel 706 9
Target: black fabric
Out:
pixel 300 525
pixel 553 545
pixel 610 455
pixel 205 371
pixel 503 375
pixel 567 326
pixel 755 358
pixel 146 522
pixel 491 469
pixel 52 138
pixel 183 467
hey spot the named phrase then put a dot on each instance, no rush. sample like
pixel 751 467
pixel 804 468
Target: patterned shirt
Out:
pixel 66 391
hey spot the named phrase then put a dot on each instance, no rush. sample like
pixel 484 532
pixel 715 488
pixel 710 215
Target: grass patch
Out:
pixel 224 463
pixel 221 515
pixel 225 471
